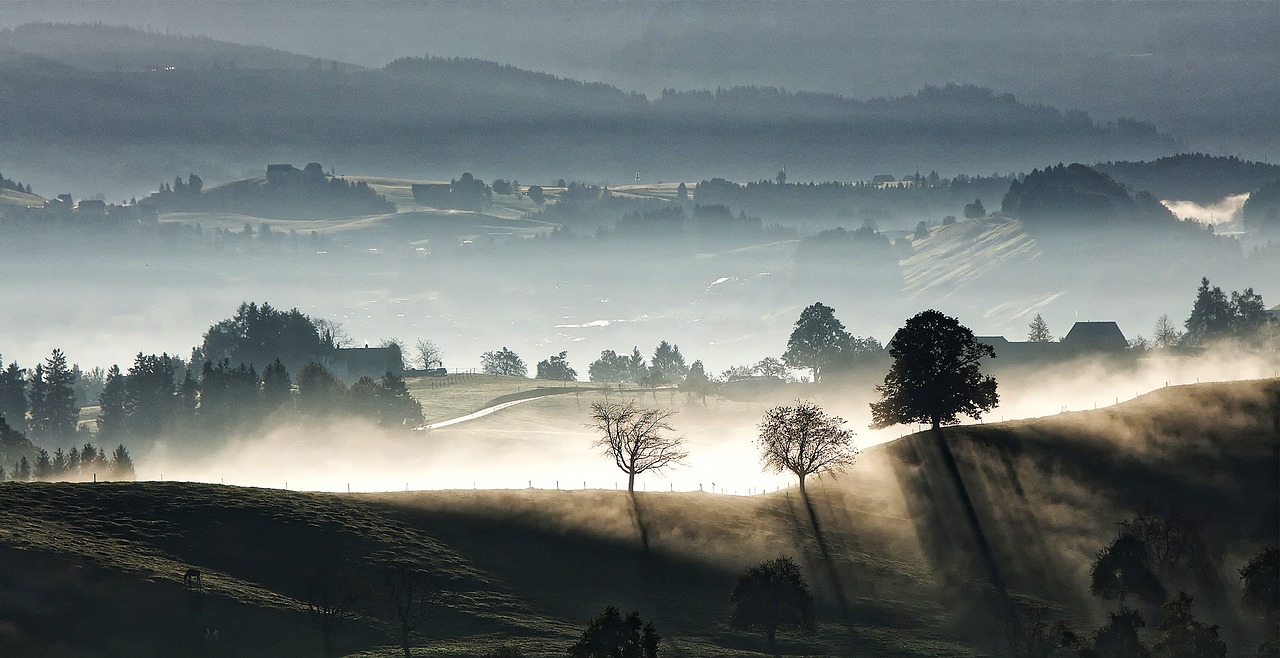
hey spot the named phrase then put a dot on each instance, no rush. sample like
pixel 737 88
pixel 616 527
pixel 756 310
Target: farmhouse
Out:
pixel 279 173
pixel 1085 339
pixel 351 363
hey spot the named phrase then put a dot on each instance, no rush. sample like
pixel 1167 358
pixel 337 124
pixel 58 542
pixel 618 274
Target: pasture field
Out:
pixel 897 565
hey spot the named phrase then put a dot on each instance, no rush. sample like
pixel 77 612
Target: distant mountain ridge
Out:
pixel 433 116
pixel 99 47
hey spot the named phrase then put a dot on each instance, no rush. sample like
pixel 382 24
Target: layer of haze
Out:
pixel 1168 62
pixel 1222 212
pixel 544 443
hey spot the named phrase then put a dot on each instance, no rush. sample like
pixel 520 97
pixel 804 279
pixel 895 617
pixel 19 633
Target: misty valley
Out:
pixel 304 356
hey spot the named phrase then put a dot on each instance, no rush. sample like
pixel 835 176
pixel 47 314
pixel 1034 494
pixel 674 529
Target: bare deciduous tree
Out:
pixel 636 438
pixel 330 596
pixel 803 439
pixel 429 354
pixel 411 597
pixel 1166 333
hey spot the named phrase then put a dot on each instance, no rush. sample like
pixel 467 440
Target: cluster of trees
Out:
pixel 768 596
pixel 930 195
pixel 1148 551
pixel 41 402
pixel 1240 318
pixel 865 246
pixel 503 362
pixel 6 184
pixel 705 222
pixel 1199 177
pixel 820 343
pixel 152 399
pixel 258 335
pixel 1261 212
pixel 74 464
pixel 464 193
pixel 307 193
pixel 1215 316
pixel 1078 195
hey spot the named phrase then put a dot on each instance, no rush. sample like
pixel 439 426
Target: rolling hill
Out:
pixel 436 116
pixel 910 552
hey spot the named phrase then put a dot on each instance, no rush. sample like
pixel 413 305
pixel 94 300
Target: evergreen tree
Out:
pixel 319 391
pixel 697 382
pixel 1248 312
pixel 229 396
pixel 1211 315
pixel 277 388
pixel 149 395
pixel 44 465
pixel 668 364
pixel 53 400
pixel 121 464
pixel 188 398
pixel 398 406
pixel 112 413
pixel 37 394
pixel 637 369
pixel 13 396
pixel 1038 331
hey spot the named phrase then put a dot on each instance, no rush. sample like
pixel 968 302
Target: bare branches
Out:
pixel 803 439
pixel 412 597
pixel 636 438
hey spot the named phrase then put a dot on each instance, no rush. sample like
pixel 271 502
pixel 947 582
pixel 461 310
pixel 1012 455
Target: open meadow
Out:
pixel 896 562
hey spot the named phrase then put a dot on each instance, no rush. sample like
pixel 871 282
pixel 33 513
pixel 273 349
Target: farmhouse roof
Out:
pixel 1096 336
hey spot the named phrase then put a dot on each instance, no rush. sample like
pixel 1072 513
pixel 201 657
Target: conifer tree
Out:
pixel 13 396
pixel 53 399
pixel 112 415
pixel 121 464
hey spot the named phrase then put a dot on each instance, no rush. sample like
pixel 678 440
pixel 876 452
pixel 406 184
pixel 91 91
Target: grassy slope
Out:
pixel 898 567
pixel 16 198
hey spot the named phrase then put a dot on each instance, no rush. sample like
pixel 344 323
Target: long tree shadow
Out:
pixel 953 538
pixel 828 563
pixel 642 527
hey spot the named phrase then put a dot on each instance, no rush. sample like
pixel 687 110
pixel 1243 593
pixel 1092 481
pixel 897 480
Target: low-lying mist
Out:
pixel 1224 211
pixel 544 443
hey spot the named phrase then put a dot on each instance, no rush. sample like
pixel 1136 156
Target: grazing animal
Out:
pixel 192 578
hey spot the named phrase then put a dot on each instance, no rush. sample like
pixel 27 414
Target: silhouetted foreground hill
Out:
pixel 909 552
